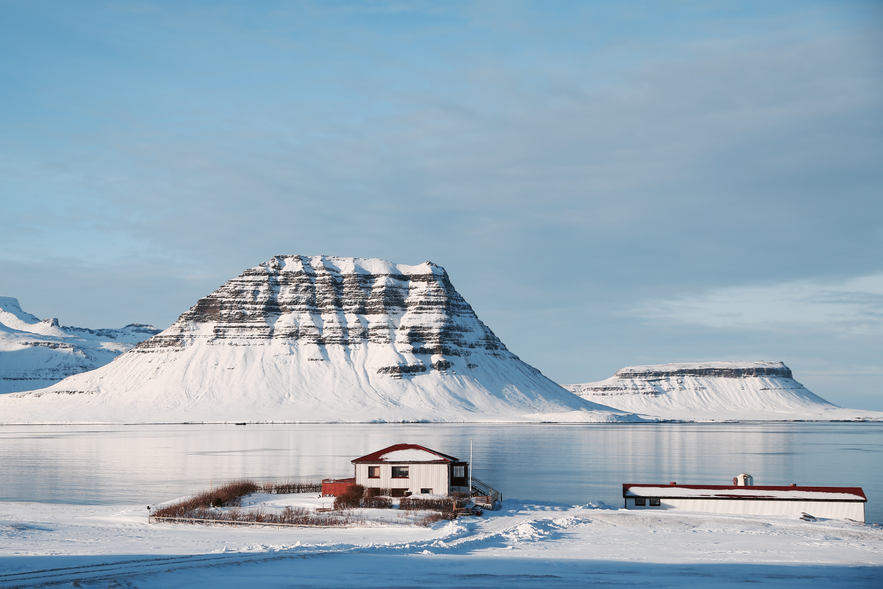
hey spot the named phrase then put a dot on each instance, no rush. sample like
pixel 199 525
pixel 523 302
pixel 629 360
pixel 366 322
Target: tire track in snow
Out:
pixel 127 568
pixel 462 538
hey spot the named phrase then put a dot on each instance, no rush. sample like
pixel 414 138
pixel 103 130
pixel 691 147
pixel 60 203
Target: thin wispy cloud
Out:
pixel 853 305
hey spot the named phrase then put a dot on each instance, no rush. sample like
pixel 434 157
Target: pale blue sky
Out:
pixel 607 183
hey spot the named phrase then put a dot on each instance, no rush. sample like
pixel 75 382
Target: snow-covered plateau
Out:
pixel 522 545
pixel 715 391
pixel 36 354
pixel 316 339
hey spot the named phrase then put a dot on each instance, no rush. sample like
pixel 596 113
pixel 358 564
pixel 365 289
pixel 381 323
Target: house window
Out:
pixel 426 491
pixel 640 502
pixel 654 501
pixel 373 472
pixel 399 472
pixel 459 472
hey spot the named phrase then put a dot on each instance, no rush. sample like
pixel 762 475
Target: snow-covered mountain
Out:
pixel 36 354
pixel 316 339
pixel 714 391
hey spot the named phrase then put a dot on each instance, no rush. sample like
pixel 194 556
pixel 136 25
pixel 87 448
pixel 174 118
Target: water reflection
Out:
pixel 573 464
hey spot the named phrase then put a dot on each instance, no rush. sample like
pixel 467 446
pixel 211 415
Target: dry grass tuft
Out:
pixel 292 516
pixel 433 517
pixel 288 487
pixel 224 496
pixel 444 506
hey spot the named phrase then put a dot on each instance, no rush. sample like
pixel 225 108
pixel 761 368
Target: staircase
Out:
pixel 485 495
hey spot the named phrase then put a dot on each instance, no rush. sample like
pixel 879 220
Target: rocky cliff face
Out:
pixel 36 354
pixel 714 391
pixel 708 370
pixel 330 301
pixel 318 339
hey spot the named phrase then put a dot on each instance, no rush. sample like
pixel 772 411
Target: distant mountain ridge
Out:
pixel 37 353
pixel 316 339
pixel 714 391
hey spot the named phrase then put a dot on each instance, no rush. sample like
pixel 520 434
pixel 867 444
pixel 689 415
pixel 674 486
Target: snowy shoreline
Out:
pixel 646 421
pixel 105 544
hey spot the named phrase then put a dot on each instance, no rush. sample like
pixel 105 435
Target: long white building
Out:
pixel 825 502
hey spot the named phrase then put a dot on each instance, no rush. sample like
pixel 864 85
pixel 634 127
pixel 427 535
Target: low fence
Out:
pixel 154 519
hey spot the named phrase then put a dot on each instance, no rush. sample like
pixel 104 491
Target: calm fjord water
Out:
pixel 571 464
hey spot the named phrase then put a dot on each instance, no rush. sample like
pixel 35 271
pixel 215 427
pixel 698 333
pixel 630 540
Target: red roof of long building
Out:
pixel 381 455
pixel 746 492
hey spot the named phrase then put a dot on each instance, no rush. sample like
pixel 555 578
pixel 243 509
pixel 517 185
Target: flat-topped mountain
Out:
pixel 412 311
pixel 37 353
pixel 714 391
pixel 706 369
pixel 316 339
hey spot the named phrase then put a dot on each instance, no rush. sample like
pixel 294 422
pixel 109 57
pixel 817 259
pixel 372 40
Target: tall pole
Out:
pixel 470 467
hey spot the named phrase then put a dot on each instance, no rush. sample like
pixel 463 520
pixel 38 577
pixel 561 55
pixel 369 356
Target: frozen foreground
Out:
pixel 522 545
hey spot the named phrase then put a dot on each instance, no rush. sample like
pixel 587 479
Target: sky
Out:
pixel 607 184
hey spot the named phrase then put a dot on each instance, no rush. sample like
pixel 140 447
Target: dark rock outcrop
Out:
pixel 664 371
pixel 330 301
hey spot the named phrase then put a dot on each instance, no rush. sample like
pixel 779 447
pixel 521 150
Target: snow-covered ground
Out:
pixel 522 545
pixel 276 383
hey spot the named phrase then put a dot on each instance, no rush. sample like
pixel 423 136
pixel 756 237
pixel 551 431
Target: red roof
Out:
pixel 380 455
pixel 663 490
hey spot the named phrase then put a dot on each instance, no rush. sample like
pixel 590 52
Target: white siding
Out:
pixel 828 509
pixel 420 476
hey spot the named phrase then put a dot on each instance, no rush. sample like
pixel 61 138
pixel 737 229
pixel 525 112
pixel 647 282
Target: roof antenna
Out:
pixel 470 468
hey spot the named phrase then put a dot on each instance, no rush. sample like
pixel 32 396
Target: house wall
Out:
pixel 829 509
pixel 420 476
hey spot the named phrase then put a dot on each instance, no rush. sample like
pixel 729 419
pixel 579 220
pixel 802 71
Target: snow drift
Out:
pixel 715 391
pixel 316 339
pixel 36 354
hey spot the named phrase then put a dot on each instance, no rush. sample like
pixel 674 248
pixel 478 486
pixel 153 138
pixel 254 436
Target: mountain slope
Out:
pixel 36 354
pixel 316 339
pixel 714 391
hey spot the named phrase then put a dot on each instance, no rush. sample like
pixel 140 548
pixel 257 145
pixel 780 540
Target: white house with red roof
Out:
pixel 825 502
pixel 411 469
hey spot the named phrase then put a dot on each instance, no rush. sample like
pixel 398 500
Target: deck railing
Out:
pixel 483 493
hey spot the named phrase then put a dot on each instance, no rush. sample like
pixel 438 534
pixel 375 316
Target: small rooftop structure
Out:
pixel 827 502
